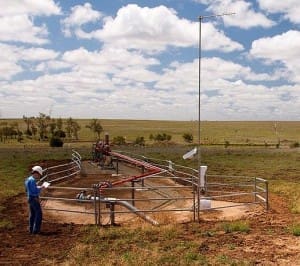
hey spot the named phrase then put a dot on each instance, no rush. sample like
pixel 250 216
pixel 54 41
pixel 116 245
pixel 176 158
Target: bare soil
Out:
pixel 268 243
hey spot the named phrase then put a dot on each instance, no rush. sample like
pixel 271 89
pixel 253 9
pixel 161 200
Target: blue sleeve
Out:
pixel 31 187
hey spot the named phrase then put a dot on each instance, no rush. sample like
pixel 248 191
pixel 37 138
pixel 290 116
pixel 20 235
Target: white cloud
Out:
pixel 8 61
pixel 110 60
pixel 216 74
pixel 21 7
pixel 19 28
pixel 37 54
pixel 93 88
pixel 52 65
pixel 11 57
pixel 125 77
pixel 284 48
pixel 213 39
pixel 245 16
pixel 17 24
pixel 135 27
pixel 290 8
pixel 79 15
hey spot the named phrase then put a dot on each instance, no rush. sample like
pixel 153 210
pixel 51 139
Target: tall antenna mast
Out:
pixel 201 18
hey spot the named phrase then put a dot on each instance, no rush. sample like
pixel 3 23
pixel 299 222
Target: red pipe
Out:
pixel 153 169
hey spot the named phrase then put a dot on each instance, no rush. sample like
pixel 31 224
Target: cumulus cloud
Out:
pixel 17 24
pixel 213 39
pixel 21 7
pixel 245 16
pixel 11 57
pixel 284 48
pixel 52 65
pixel 110 60
pixel 80 15
pixel 290 8
pixel 130 75
pixel 137 27
pixel 20 28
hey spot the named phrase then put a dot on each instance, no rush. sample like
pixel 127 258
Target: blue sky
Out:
pixel 139 59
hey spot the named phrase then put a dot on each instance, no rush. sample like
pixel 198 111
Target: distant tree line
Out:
pixel 9 131
pixel 56 131
pixel 45 128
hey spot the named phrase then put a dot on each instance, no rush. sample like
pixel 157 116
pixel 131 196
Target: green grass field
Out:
pixel 217 132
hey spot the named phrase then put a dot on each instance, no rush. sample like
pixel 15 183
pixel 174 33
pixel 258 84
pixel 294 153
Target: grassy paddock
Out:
pixel 213 133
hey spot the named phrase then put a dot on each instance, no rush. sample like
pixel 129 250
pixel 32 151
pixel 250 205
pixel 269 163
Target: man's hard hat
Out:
pixel 37 169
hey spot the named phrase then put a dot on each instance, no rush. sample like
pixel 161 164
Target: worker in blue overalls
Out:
pixel 33 192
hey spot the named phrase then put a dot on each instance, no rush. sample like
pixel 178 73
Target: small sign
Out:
pixel 190 154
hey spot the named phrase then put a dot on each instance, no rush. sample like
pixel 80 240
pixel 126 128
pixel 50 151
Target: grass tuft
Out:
pixel 6 225
pixel 236 226
pixel 295 229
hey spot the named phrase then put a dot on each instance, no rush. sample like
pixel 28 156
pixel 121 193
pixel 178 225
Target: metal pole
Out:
pixel 117 166
pixel 267 195
pixel 199 117
pixel 99 206
pixel 199 102
pixel 132 193
pixel 95 204
pixel 112 213
pixel 255 189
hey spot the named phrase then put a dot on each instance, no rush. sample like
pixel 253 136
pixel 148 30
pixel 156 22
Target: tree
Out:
pixel 34 129
pixel 10 130
pixel 52 126
pixel 95 127
pixel 43 124
pixel 59 123
pixel 72 128
pixel 28 121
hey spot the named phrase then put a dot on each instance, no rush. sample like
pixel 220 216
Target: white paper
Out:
pixel 46 184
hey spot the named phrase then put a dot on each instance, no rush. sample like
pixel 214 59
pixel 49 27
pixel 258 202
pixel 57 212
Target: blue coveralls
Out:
pixel 35 210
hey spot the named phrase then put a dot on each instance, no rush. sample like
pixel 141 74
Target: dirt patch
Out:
pixel 18 247
pixel 81 212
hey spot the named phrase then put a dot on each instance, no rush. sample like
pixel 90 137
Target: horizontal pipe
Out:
pixel 261 197
pixel 70 188
pixel 261 189
pixel 64 210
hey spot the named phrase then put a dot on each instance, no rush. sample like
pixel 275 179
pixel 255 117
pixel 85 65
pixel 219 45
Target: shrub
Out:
pixel 188 137
pixel 60 133
pixel 295 145
pixel 56 142
pixel 226 144
pixel 162 137
pixel 140 141
pixel 119 140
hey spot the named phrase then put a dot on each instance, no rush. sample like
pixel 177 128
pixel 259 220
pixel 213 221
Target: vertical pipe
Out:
pixel 117 165
pixel 255 189
pixel 99 206
pixel 112 213
pixel 143 171
pixel 267 195
pixel 95 204
pixel 106 139
pixel 132 193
